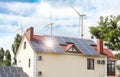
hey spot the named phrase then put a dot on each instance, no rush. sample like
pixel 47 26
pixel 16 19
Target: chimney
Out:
pixel 29 33
pixel 99 45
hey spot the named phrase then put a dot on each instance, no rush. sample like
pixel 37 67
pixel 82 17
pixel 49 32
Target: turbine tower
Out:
pixel 51 24
pixel 80 22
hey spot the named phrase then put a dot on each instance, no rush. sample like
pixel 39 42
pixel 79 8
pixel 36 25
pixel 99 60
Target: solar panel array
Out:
pixel 90 42
pixel 40 45
pixel 9 71
pixel 82 44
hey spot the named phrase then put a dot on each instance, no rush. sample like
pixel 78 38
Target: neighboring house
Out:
pixel 10 71
pixel 55 56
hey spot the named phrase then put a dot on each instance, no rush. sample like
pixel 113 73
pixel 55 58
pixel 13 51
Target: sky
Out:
pixel 15 14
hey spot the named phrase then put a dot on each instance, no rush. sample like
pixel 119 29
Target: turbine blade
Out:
pixel 44 27
pixel 18 30
pixel 76 11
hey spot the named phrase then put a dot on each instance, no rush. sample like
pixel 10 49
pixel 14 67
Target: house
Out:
pixel 10 71
pixel 55 56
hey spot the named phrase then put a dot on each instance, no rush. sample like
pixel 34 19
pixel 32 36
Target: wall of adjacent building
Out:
pixel 68 65
pixel 23 57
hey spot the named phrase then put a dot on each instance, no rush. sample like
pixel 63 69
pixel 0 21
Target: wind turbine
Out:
pixel 80 23
pixel 49 42
pixel 51 26
pixel 20 29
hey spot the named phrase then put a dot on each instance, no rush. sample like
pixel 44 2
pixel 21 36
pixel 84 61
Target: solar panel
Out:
pixel 24 75
pixel 3 74
pixel 1 69
pixel 47 49
pixel 83 45
pixel 57 47
pixel 79 45
pixel 60 40
pixel 17 75
pixel 90 42
pixel 88 52
pixel 10 75
pixel 40 45
pixel 43 47
pixel 7 69
pixel 66 39
pixel 19 69
pixel 89 48
pixel 36 46
pixel 13 70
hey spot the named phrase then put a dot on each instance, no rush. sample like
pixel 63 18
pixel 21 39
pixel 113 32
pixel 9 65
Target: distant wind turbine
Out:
pixel 80 23
pixel 51 26
pixel 20 29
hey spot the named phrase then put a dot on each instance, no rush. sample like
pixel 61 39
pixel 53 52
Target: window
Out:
pixel 24 45
pixel 90 64
pixel 111 68
pixel 73 49
pixel 29 63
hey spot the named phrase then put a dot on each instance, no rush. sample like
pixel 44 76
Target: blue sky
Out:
pixel 37 13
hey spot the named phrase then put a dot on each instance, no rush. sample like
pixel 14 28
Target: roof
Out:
pixel 38 44
pixel 9 71
pixel 108 53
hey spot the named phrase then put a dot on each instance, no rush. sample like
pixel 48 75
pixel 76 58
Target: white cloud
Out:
pixel 18 8
pixel 38 14
pixel 7 41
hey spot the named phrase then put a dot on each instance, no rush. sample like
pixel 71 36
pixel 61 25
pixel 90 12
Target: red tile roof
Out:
pixel 108 53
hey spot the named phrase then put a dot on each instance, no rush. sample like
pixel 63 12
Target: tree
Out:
pixel 108 30
pixel 7 61
pixel 118 68
pixel 1 56
pixel 117 56
pixel 15 46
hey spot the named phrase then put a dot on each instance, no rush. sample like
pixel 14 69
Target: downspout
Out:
pixel 34 64
pixel 105 66
pixel 115 68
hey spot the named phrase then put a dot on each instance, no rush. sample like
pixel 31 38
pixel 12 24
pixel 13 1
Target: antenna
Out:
pixel 80 18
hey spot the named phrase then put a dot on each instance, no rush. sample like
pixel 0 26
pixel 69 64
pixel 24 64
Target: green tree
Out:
pixel 15 46
pixel 1 56
pixel 108 29
pixel 118 68
pixel 117 56
pixel 7 61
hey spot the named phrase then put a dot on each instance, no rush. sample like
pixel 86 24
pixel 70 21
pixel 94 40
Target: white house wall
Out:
pixel 68 65
pixel 23 57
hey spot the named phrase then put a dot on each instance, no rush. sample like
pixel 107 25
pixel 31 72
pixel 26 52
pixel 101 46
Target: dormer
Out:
pixel 70 47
